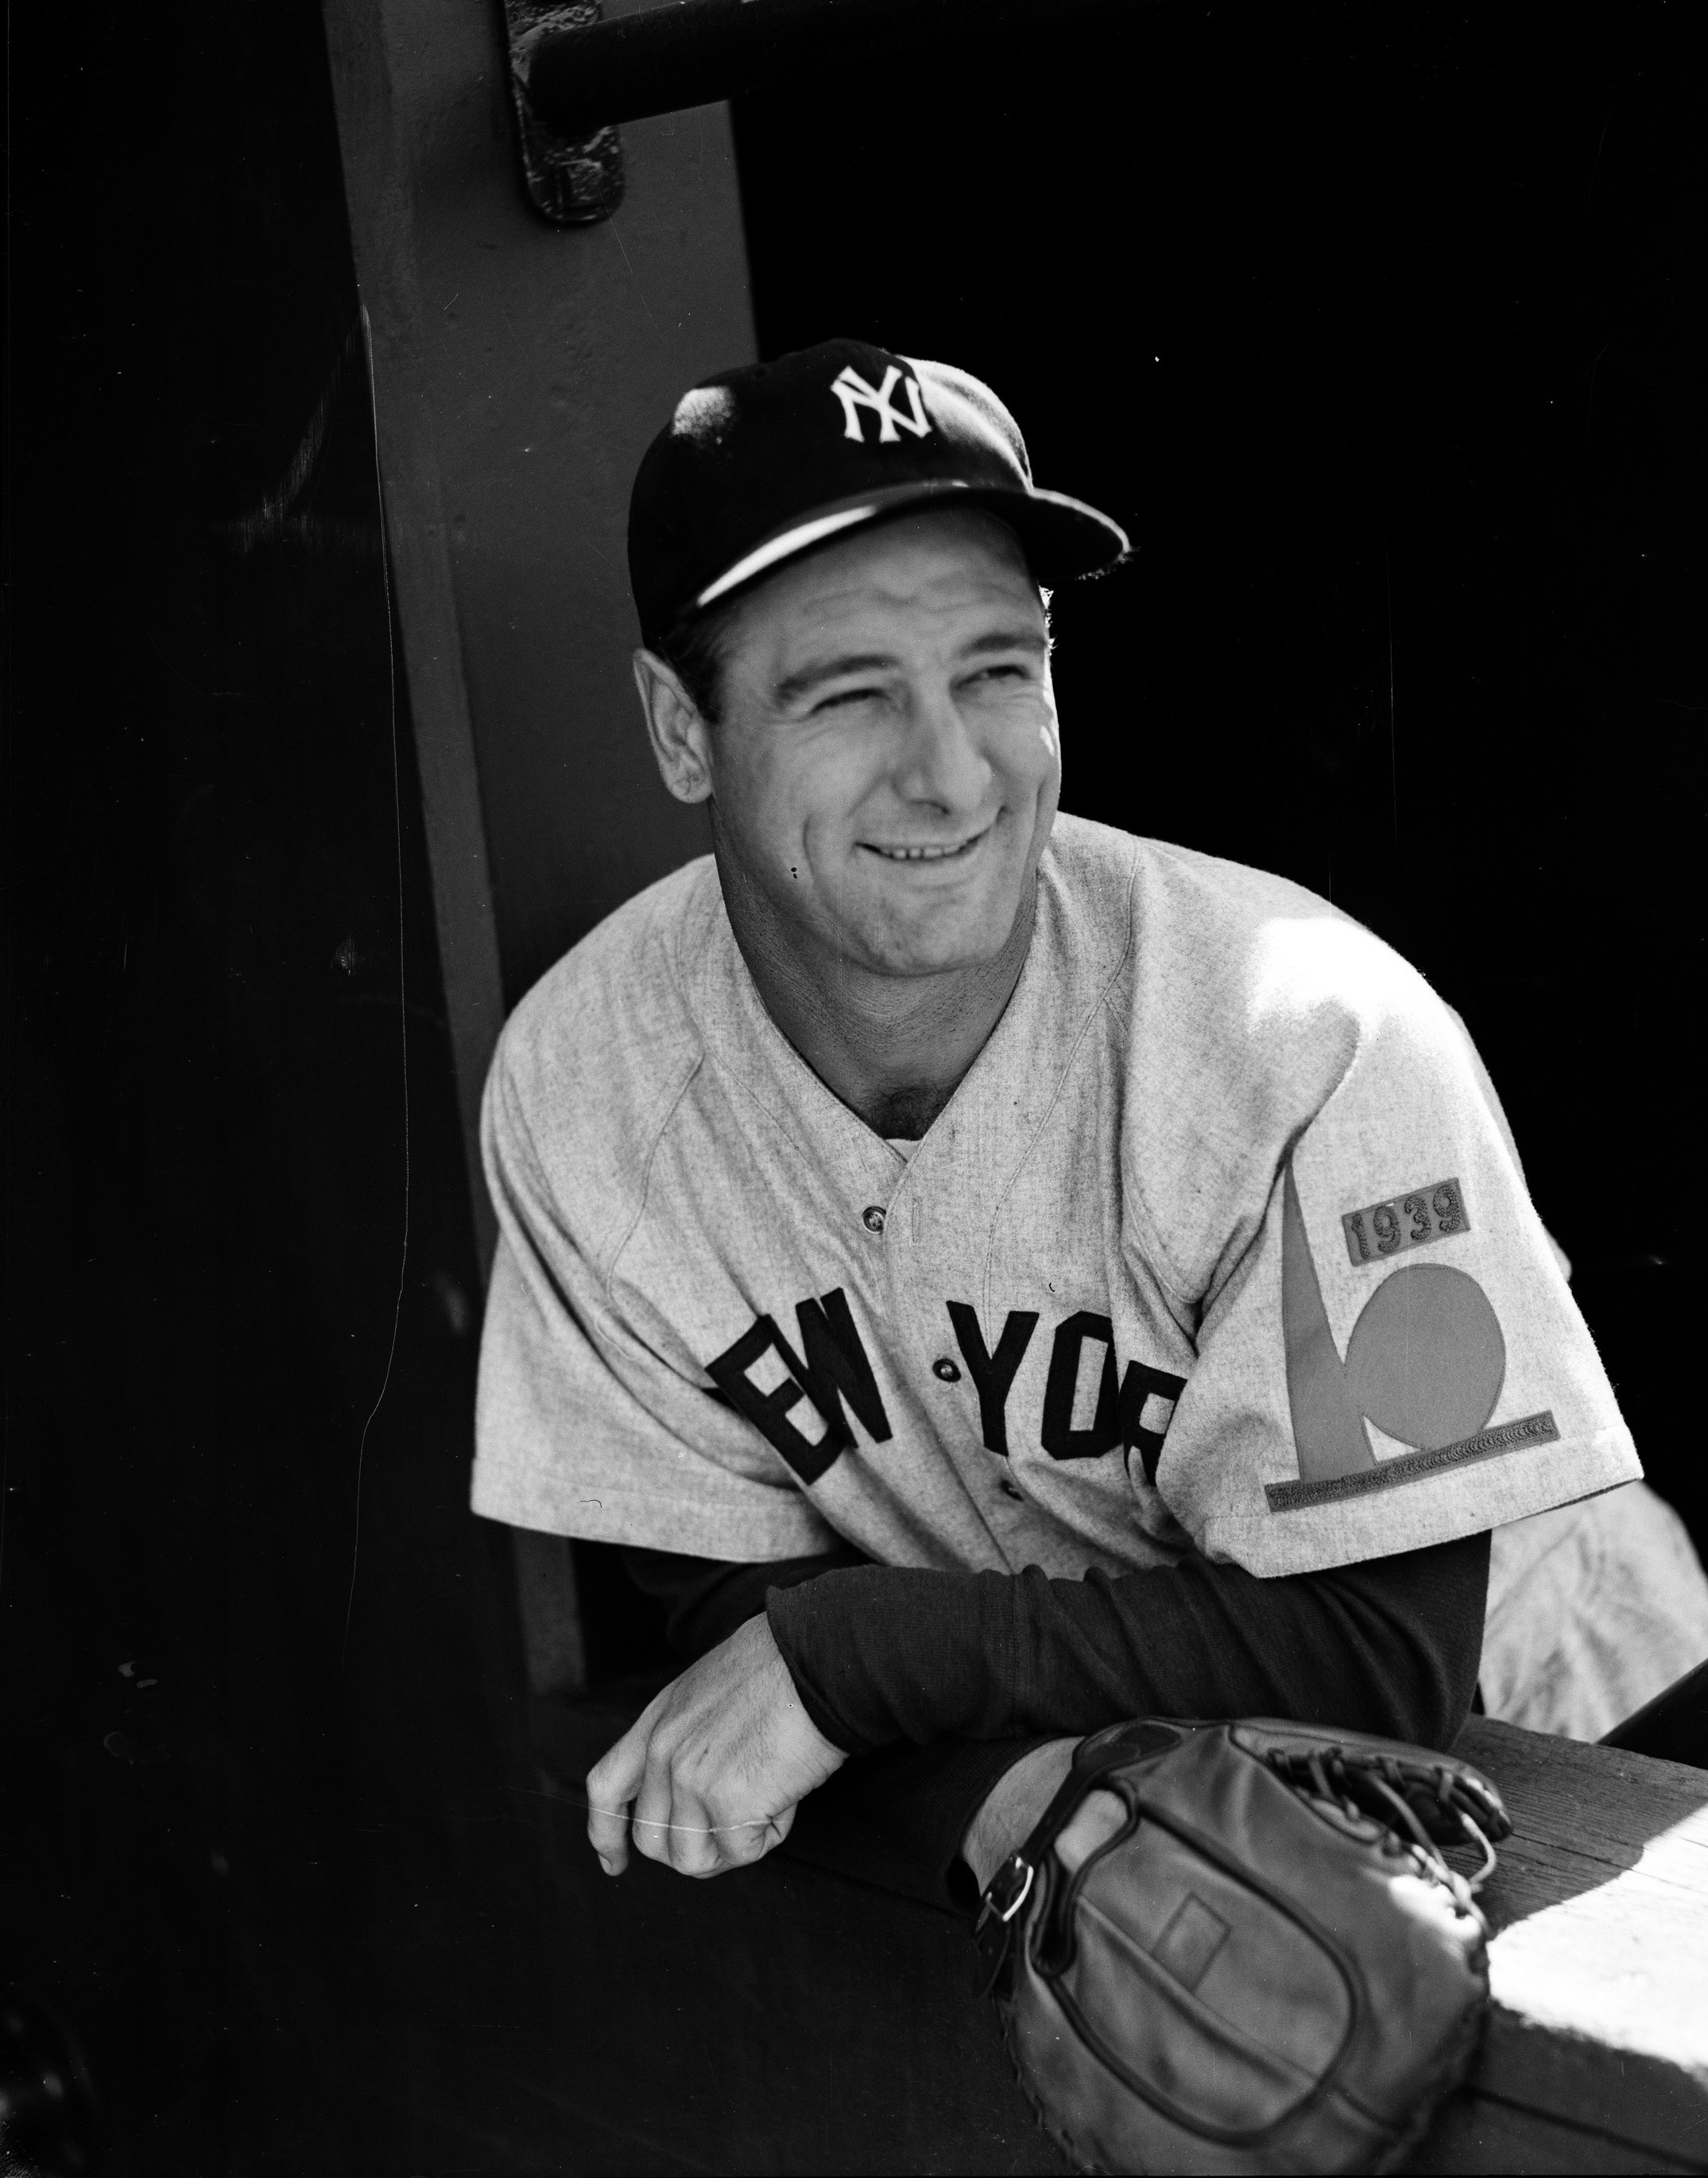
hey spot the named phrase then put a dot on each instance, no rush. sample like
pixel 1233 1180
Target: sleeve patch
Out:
pixel 1425 1363
pixel 1415 1466
pixel 1382 1229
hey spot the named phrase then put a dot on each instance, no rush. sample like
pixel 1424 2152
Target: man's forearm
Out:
pixel 882 1654
pixel 902 1820
pixel 1391 1646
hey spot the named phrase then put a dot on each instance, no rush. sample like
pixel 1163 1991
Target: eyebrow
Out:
pixel 794 686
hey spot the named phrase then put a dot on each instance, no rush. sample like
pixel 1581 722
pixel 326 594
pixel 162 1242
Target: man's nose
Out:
pixel 943 762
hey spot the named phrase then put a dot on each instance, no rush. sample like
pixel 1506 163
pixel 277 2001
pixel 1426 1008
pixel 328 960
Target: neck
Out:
pixel 894 1048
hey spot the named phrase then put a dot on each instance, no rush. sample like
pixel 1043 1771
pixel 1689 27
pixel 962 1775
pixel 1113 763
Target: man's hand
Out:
pixel 1016 1801
pixel 710 1773
pixel 1013 1806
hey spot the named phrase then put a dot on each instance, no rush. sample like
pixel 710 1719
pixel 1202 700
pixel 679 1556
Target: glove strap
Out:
pixel 1001 1908
pixel 999 1911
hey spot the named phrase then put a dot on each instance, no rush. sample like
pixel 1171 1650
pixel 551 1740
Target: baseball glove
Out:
pixel 1265 1965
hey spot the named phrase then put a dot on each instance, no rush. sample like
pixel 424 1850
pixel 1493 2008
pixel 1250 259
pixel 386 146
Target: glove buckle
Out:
pixel 993 1932
pixel 1009 1888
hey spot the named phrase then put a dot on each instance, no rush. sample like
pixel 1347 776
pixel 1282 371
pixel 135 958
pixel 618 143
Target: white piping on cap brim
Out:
pixel 792 540
pixel 805 534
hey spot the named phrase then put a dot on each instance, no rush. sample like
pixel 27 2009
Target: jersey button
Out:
pixel 945 1371
pixel 1008 1491
pixel 871 1217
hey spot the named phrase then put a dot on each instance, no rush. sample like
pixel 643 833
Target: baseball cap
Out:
pixel 761 464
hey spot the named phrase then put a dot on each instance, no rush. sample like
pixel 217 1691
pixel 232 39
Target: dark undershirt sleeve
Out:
pixel 705 1600
pixel 894 1819
pixel 1389 1646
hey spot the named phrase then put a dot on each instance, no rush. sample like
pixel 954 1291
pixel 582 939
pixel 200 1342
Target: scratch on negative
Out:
pixel 632 274
pixel 403 997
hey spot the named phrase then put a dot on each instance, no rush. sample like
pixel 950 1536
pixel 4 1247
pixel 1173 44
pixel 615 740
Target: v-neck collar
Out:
pixel 1000 1103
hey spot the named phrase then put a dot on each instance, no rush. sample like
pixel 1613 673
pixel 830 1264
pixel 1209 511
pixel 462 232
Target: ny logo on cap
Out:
pixel 851 390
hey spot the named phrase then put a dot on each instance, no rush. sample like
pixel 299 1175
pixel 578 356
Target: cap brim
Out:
pixel 1063 538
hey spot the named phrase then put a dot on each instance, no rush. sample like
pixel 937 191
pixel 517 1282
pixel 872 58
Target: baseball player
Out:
pixel 997 1275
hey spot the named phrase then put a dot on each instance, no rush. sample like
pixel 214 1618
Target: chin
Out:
pixel 972 942
pixel 935 929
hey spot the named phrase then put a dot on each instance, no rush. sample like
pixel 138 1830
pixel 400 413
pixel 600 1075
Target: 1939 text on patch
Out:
pixel 1434 1213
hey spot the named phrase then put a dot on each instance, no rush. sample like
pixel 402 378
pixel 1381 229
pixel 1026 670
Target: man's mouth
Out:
pixel 945 851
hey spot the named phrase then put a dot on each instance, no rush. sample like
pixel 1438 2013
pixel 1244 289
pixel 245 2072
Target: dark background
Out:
pixel 1381 332
pixel 1381 327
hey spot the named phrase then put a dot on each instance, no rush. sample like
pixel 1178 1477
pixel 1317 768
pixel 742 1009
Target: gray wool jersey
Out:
pixel 1221 1246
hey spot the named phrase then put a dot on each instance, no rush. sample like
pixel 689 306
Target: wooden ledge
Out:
pixel 1597 2056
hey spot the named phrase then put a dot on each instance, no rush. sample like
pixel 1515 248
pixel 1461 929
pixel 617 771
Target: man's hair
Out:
pixel 694 650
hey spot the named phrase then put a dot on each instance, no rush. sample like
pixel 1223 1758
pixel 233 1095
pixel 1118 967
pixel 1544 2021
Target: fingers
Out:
pixel 708 1777
pixel 670 1827
pixel 637 1799
pixel 611 1783
pixel 676 1826
pixel 1095 1821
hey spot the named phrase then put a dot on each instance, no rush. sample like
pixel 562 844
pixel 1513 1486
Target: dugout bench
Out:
pixel 840 2032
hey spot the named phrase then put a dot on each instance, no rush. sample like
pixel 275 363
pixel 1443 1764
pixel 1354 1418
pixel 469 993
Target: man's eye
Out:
pixel 844 697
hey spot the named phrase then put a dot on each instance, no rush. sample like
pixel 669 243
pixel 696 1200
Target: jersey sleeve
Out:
pixel 1395 1358
pixel 583 1426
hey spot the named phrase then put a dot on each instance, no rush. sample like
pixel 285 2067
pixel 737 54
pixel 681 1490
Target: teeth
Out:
pixel 920 854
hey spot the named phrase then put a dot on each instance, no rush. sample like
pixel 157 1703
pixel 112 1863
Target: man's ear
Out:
pixel 681 738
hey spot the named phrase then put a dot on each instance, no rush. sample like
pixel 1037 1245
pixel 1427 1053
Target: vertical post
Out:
pixel 520 370
pixel 424 602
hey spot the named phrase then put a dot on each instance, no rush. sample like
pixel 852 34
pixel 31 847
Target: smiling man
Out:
pixel 994 1274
